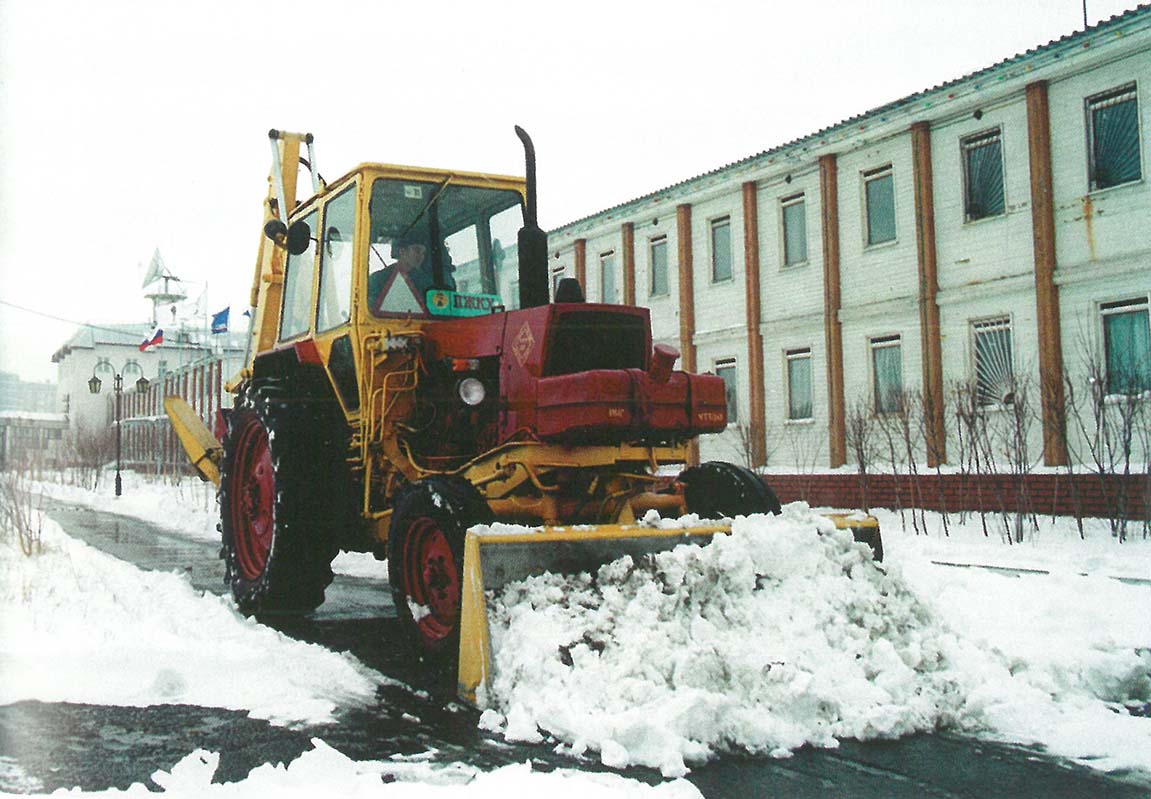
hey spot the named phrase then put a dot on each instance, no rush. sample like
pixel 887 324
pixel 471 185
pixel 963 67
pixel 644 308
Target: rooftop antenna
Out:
pixel 161 280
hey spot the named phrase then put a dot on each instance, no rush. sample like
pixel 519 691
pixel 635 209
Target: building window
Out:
pixel 799 383
pixel 607 278
pixel 879 191
pixel 725 368
pixel 994 375
pixel 513 298
pixel 794 230
pixel 1127 342
pixel 1113 138
pixel 557 276
pixel 982 175
pixel 887 374
pixel 721 249
pixel 658 252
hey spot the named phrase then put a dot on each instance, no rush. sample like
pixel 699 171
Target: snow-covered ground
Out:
pixel 776 636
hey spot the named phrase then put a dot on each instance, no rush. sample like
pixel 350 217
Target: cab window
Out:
pixel 295 316
pixel 335 300
pixel 432 250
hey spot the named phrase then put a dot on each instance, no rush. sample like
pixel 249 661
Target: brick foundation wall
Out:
pixel 1057 494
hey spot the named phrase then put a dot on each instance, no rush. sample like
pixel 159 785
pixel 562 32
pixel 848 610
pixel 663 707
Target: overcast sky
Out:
pixel 127 126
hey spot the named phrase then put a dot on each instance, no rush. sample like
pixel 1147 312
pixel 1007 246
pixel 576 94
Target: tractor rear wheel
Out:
pixel 717 489
pixel 278 503
pixel 426 562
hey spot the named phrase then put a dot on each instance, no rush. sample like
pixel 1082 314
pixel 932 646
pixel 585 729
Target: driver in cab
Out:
pixel 402 286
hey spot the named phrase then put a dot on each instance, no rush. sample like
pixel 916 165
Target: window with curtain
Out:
pixel 794 216
pixel 658 252
pixel 994 373
pixel 607 278
pixel 725 368
pixel 1113 138
pixel 982 175
pixel 879 193
pixel 799 384
pixel 887 373
pixel 721 249
pixel 1127 342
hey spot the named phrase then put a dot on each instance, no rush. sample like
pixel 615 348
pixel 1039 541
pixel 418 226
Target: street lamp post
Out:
pixel 103 364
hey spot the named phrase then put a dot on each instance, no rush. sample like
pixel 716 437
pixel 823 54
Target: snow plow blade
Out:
pixel 492 560
pixel 202 448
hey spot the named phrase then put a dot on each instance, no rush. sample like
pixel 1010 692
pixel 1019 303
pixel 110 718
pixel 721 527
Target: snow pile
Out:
pixel 81 626
pixel 784 633
pixel 323 771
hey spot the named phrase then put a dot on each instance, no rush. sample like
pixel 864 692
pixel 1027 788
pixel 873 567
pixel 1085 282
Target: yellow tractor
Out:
pixel 410 378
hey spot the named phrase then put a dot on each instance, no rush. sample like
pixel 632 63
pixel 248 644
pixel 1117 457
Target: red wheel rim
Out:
pixel 252 500
pixel 432 580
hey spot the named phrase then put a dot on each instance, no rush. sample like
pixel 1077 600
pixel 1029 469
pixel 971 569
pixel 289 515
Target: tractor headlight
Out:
pixel 471 391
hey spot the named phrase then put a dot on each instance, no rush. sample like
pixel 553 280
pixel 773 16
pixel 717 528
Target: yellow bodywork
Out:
pixel 202 448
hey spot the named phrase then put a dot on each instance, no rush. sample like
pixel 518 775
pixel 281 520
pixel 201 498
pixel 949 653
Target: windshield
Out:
pixel 441 249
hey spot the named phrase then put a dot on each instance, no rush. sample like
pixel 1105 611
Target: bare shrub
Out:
pixel 975 451
pixel 1109 424
pixel 807 443
pixel 90 450
pixel 20 518
pixel 859 425
pixel 750 439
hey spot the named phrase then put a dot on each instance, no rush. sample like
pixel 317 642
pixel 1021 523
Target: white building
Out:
pixel 990 232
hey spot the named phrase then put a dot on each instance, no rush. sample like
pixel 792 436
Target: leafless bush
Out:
pixel 1012 429
pixel 859 426
pixel 1109 424
pixel 19 516
pixel 1058 415
pixel 889 433
pixel 807 443
pixel 90 450
pixel 974 441
pixel 751 439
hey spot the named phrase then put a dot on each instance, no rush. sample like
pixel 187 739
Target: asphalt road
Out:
pixel 61 745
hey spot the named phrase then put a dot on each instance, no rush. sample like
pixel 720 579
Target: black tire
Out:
pixel 870 536
pixel 283 489
pixel 717 490
pixel 425 563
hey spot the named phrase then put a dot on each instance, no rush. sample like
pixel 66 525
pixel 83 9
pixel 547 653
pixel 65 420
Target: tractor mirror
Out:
pixel 299 237
pixel 274 228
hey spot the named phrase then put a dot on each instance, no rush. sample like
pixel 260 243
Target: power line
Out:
pixel 47 315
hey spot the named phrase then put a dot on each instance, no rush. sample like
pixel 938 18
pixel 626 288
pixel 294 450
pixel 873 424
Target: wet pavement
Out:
pixel 61 745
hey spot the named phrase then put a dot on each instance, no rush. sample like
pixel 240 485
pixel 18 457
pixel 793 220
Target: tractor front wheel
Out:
pixel 426 562
pixel 279 501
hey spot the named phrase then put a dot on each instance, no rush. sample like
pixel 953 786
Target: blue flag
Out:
pixel 220 321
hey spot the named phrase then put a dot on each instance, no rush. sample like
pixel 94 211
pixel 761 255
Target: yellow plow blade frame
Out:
pixel 202 448
pixel 492 560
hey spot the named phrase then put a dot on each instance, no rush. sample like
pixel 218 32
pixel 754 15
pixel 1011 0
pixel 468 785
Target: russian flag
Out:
pixel 154 340
pixel 220 321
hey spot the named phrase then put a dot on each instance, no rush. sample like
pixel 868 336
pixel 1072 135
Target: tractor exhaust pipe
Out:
pixel 533 242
